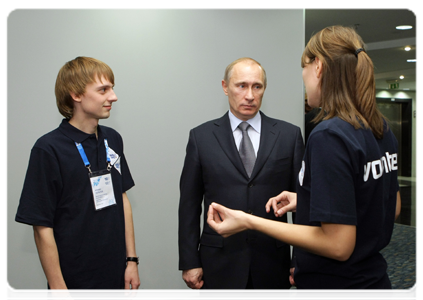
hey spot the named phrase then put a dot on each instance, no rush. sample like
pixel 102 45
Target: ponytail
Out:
pixel 366 95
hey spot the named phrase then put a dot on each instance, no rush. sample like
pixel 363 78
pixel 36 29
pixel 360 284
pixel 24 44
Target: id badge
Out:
pixel 102 188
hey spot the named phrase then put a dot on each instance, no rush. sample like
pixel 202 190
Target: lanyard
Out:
pixel 85 159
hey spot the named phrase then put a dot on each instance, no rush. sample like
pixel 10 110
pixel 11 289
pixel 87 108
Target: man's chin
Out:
pixel 249 113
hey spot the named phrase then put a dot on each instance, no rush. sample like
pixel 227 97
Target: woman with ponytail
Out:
pixel 347 189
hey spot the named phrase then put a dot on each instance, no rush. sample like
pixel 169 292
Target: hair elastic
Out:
pixel 358 51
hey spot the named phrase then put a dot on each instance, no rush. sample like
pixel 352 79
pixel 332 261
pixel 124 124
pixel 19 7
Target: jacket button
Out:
pixel 250 212
pixel 250 185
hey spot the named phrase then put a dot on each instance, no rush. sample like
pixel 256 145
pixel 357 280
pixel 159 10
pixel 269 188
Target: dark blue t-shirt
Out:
pixel 347 177
pixel 57 194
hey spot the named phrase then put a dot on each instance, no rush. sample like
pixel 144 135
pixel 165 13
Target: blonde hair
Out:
pixel 229 68
pixel 347 82
pixel 74 76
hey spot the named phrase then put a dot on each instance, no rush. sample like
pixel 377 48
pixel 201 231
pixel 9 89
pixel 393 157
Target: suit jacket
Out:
pixel 213 172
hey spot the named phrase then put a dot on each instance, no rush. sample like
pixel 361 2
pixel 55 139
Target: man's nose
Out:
pixel 112 97
pixel 250 95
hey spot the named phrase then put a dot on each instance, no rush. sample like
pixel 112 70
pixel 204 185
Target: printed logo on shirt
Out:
pixel 117 166
pixel 113 156
pixel 301 174
pixel 386 163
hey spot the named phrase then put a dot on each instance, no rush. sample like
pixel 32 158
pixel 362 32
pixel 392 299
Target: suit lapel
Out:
pixel 268 137
pixel 225 137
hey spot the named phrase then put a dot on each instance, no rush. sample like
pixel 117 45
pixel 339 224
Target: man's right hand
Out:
pixel 193 278
pixel 291 276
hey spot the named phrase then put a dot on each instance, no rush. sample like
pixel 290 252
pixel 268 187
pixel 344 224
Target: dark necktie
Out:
pixel 246 149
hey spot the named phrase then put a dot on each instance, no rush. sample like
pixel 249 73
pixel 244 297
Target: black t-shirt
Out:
pixel 57 193
pixel 347 177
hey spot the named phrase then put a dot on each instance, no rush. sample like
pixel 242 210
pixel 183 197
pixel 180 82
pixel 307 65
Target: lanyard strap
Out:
pixel 107 151
pixel 85 159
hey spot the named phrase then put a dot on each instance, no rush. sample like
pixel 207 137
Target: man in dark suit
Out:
pixel 214 171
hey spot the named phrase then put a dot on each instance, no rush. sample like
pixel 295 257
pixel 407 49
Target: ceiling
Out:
pixel 384 43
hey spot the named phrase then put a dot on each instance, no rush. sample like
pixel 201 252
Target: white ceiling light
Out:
pixel 408 48
pixel 401 77
pixel 404 27
pixel 411 60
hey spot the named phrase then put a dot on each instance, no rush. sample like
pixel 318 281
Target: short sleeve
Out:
pixel 332 193
pixel 41 190
pixel 127 180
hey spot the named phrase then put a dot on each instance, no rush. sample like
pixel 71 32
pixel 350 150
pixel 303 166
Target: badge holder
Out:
pixel 101 181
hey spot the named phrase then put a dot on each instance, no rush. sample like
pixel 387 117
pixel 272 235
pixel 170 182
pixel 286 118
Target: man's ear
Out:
pixel 319 67
pixel 225 87
pixel 75 97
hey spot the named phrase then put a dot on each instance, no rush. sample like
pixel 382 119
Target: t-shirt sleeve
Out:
pixel 127 180
pixel 41 190
pixel 332 194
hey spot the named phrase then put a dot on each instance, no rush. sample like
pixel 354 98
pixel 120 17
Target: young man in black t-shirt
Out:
pixel 74 194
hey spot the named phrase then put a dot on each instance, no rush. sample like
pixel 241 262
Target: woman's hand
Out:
pixel 225 221
pixel 282 203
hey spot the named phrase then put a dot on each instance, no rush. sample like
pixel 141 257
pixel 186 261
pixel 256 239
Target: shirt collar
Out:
pixel 254 122
pixel 75 134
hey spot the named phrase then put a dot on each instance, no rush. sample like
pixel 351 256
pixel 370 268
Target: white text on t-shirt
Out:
pixel 387 163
